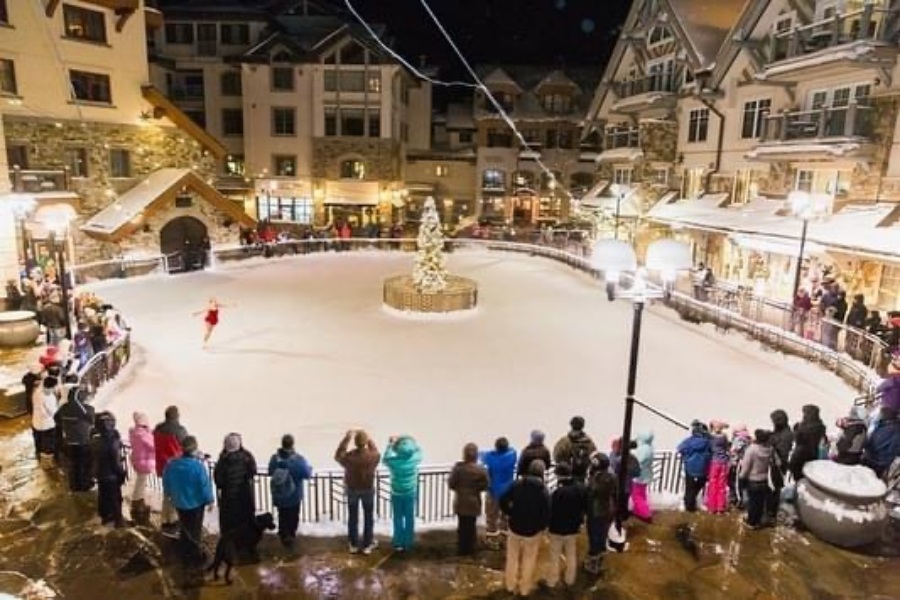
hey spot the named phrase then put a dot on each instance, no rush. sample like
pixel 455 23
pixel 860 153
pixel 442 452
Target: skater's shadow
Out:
pixel 264 351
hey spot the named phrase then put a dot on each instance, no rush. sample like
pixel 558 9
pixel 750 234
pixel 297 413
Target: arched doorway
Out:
pixel 187 239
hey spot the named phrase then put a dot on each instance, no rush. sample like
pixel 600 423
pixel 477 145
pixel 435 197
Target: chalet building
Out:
pixel 799 96
pixel 85 132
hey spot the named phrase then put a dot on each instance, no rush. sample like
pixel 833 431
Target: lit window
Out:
pixel 84 24
pixel 493 179
pixel 292 210
pixel 284 165
pixel 234 164
pixel 441 171
pixel 90 87
pixel 353 169
pixel 373 83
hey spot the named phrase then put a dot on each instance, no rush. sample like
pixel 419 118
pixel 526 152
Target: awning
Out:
pixel 278 188
pixel 777 246
pixel 420 188
pixel 359 193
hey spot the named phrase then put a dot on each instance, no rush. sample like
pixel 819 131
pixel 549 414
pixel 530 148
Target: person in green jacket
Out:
pixel 402 458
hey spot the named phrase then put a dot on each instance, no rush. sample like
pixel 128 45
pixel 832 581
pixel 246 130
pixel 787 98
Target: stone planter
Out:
pixel 400 294
pixel 833 513
pixel 18 328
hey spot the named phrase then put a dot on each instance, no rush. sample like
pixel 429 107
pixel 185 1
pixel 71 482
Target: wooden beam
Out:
pixel 50 9
pixel 159 102
pixel 123 19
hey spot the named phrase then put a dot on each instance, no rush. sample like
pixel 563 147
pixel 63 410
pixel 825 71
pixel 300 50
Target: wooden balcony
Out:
pixel 818 134
pixel 859 38
pixel 645 93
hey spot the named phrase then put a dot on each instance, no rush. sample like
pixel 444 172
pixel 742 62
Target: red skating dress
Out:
pixel 212 316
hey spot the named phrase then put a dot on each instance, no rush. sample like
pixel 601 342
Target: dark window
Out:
pixel 698 125
pixel 499 138
pixel 76 161
pixel 566 139
pixel 284 121
pixel 352 81
pixel 17 156
pixel 374 123
pixel 330 121
pixel 755 113
pixel 353 54
pixel 119 163
pixel 84 24
pixel 183 202
pixel 284 165
pixel 90 87
pixel 197 116
pixel 282 79
pixel 353 169
pixel 4 14
pixel 8 77
pixel 179 33
pixel 234 164
pixel 231 83
pixel 465 137
pixel 235 35
pixel 551 139
pixel 232 121
pixel 352 122
pixel 557 103
pixel 331 81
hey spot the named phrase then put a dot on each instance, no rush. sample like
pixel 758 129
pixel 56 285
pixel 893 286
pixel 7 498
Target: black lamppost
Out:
pixel 806 206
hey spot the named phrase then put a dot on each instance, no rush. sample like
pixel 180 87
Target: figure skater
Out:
pixel 211 319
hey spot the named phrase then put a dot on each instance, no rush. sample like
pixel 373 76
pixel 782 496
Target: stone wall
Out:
pixel 151 147
pixel 218 226
pixel 659 140
pixel 382 157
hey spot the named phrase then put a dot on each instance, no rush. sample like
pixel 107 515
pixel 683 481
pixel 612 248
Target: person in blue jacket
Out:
pixel 501 466
pixel 883 445
pixel 287 470
pixel 402 458
pixel 186 482
pixel 696 453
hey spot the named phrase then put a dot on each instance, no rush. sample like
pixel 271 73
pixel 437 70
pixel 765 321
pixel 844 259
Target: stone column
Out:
pixel 9 245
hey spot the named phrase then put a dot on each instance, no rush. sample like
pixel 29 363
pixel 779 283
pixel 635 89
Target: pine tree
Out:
pixel 429 272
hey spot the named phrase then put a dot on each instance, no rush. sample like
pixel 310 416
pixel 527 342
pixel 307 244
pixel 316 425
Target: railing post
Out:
pixel 865 23
pixel 850 122
pixel 783 127
pixel 836 24
pixel 823 120
pixel 793 43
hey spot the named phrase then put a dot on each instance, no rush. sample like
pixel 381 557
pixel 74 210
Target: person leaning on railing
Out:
pixel 402 459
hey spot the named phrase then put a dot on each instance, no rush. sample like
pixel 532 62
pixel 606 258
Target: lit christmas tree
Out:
pixel 429 272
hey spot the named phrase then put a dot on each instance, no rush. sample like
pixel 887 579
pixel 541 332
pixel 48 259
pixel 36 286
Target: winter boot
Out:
pixel 140 512
pixel 592 564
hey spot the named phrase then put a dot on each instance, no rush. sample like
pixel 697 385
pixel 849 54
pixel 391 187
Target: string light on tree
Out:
pixel 430 272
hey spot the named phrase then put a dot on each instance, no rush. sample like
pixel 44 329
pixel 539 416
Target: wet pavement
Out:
pixel 52 545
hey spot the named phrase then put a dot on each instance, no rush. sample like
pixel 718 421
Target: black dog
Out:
pixel 242 540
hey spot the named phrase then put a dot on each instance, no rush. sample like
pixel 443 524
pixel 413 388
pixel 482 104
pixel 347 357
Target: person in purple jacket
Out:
pixel 501 466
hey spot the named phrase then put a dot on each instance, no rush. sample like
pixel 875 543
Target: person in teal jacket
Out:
pixel 402 459
pixel 644 455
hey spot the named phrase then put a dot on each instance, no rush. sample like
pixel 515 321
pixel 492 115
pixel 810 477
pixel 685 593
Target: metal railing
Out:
pixel 120 268
pixel 324 493
pixel 35 181
pixel 855 120
pixel 657 82
pixel 869 24
pixel 106 365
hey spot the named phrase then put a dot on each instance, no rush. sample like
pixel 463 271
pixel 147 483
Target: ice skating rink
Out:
pixel 304 347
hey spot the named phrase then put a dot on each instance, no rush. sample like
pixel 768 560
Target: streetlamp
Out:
pixel 21 209
pixel 619 191
pixel 668 257
pixel 806 206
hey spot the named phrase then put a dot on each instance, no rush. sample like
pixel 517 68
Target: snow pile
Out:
pixel 456 315
pixel 848 481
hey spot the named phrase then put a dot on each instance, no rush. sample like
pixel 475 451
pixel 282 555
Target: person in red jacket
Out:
pixel 167 442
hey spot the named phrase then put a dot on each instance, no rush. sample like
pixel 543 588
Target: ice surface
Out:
pixel 848 480
pixel 304 346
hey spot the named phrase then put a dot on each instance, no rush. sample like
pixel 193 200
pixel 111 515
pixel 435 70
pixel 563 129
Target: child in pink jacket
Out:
pixel 143 459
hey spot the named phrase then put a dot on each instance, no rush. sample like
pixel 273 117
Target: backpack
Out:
pixel 581 459
pixel 282 484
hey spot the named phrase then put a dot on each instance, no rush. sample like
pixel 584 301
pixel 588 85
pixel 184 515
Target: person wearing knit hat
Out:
pixel 535 450
pixel 287 470
pixel 143 461
pixel 186 482
pixel 852 440
pixel 233 476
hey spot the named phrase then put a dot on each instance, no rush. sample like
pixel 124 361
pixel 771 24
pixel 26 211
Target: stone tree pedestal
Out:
pixel 460 294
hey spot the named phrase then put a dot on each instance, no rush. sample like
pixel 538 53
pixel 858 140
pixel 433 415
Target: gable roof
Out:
pixel 164 107
pixel 743 26
pixel 500 77
pixel 125 215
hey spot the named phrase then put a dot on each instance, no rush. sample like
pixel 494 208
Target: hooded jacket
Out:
pixel 756 463
pixel 501 467
pixel 186 481
pixel 76 419
pixel 858 312
pixel 234 473
pixel 889 389
pixel 852 441
pixel 143 453
pixel 402 459
pixel 106 448
pixel 644 454
pixel 527 504
pixel 808 435
pixel 575 448
pixel 167 439
pixel 299 469
pixel 531 453
pixel 883 446
pixel 696 453
pixel 782 438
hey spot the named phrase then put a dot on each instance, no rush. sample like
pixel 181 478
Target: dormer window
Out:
pixel 557 103
pixel 659 35
pixel 504 99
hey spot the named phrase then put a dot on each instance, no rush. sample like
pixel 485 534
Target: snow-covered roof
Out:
pixel 132 206
pixel 620 154
pixel 837 150
pixel 500 77
pixel 855 229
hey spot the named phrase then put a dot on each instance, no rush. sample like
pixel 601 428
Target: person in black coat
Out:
pixel 568 508
pixel 535 450
pixel 233 475
pixel 109 469
pixel 527 504
pixel 856 317
pixel 809 434
pixel 75 420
